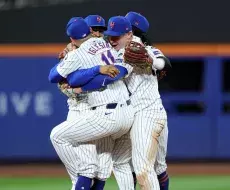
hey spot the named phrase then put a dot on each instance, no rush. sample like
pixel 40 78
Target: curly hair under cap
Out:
pixel 144 36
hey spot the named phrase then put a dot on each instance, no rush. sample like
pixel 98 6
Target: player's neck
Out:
pixel 78 43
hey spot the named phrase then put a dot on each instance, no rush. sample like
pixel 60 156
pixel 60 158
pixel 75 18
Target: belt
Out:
pixel 113 105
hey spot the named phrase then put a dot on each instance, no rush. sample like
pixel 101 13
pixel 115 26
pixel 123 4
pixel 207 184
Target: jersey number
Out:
pixel 108 58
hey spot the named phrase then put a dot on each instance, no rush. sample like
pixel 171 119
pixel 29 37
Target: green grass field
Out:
pixel 176 183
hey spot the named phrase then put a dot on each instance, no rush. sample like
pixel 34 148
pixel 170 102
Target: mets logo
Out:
pixel 98 19
pixel 136 23
pixel 111 24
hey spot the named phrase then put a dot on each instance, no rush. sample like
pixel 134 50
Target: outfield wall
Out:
pixel 196 96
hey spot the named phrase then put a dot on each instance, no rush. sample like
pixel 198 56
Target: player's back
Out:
pixel 96 51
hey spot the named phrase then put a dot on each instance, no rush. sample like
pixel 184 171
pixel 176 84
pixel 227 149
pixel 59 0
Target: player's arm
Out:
pixel 108 74
pixel 82 76
pixel 77 78
pixel 101 81
pixel 159 61
pixel 70 63
pixel 54 76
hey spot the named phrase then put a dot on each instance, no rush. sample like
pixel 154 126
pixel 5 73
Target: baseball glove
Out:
pixel 136 55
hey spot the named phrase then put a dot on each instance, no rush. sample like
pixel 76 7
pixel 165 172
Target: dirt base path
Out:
pixel 199 169
pixel 36 170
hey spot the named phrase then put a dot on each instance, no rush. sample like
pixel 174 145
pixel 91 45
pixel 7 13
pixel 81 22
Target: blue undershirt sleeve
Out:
pixel 54 76
pixel 83 76
pixel 101 81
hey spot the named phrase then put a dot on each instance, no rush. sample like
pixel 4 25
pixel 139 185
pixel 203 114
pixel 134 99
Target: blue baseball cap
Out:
pixel 138 20
pixel 95 20
pixel 117 26
pixel 77 28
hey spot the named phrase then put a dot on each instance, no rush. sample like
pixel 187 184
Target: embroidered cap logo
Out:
pixel 111 24
pixel 98 19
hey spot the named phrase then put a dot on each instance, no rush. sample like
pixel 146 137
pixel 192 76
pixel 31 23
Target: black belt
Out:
pixel 113 105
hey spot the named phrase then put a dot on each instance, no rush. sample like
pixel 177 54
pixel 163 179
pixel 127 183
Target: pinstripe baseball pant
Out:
pixel 149 136
pixel 89 126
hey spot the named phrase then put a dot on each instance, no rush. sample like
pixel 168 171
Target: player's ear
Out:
pixel 91 30
pixel 72 40
pixel 97 34
pixel 130 34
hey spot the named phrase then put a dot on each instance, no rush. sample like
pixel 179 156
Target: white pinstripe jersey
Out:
pixel 144 87
pixel 96 51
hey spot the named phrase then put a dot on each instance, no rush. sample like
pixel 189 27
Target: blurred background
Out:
pixel 193 34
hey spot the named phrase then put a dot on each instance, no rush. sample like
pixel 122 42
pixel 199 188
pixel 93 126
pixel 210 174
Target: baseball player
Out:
pixel 109 114
pixel 140 27
pixel 97 26
pixel 150 117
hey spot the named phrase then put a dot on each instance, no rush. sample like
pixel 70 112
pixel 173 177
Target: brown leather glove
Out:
pixel 137 56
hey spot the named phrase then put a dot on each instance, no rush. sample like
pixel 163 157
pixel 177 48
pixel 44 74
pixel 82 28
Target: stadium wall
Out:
pixel 30 107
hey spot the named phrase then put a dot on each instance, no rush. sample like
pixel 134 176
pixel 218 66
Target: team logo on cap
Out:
pixel 136 23
pixel 98 19
pixel 112 24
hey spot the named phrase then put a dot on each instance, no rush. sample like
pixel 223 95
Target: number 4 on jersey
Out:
pixel 108 58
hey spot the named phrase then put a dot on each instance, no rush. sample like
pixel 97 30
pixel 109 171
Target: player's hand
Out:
pixel 64 85
pixel 110 70
pixel 68 48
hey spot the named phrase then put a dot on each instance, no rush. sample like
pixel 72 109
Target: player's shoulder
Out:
pixel 71 55
pixel 86 44
pixel 92 41
pixel 157 51
pixel 101 42
pixel 100 39
pixel 154 50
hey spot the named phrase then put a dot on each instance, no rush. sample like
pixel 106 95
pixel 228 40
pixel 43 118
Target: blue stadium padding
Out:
pixel 212 91
pixel 26 119
pixel 25 129
pixel 226 97
pixel 189 137
pixel 223 136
